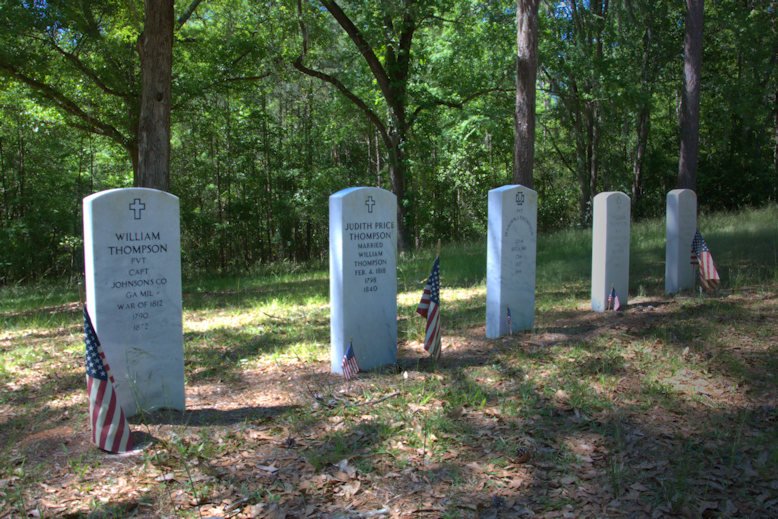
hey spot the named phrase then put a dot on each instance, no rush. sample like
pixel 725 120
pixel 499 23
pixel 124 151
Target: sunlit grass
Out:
pixel 526 390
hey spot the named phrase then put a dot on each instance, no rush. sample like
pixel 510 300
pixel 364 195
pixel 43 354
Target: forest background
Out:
pixel 258 146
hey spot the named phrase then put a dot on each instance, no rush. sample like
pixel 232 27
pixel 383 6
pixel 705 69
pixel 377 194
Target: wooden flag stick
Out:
pixel 440 336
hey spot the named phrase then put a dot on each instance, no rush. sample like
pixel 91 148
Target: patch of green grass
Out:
pixel 480 409
pixel 362 439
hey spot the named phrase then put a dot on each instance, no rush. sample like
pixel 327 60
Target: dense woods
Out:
pixel 278 104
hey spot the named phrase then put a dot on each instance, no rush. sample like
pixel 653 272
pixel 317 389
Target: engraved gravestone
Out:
pixel 363 276
pixel 681 224
pixel 132 260
pixel 510 260
pixel 610 248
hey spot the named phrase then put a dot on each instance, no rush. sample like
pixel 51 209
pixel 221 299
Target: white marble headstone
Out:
pixel 510 259
pixel 681 223
pixel 132 260
pixel 610 248
pixel 363 276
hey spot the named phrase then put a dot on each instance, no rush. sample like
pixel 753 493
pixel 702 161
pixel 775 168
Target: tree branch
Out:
pixel 565 162
pixel 332 80
pixel 382 78
pixel 67 105
pixel 188 12
pixel 459 104
pixel 78 64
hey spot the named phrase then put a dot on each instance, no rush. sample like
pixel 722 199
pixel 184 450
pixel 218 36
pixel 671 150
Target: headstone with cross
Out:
pixel 610 248
pixel 363 276
pixel 132 264
pixel 510 260
pixel 680 225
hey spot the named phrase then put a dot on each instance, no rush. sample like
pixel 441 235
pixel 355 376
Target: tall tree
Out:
pixel 392 76
pixel 690 97
pixel 526 75
pixel 575 71
pixel 392 27
pixel 85 59
pixel 156 49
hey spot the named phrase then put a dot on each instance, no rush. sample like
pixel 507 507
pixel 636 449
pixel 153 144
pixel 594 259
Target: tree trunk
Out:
pixel 156 75
pixel 644 119
pixel 594 145
pixel 397 176
pixel 4 185
pixel 526 74
pixel 775 148
pixel 640 152
pixel 21 176
pixel 690 99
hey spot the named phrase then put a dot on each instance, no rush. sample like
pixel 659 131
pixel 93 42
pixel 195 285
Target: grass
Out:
pixel 666 408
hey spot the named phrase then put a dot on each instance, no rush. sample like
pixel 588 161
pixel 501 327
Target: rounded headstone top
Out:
pixel 611 195
pixel 121 191
pixel 682 193
pixel 352 190
pixel 513 187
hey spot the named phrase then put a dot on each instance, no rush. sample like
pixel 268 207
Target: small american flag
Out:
pixel 702 258
pixel 429 307
pixel 349 364
pixel 510 327
pixel 110 430
pixel 613 301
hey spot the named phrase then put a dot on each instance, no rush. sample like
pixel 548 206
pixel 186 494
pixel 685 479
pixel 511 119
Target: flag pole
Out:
pixel 348 379
pixel 440 335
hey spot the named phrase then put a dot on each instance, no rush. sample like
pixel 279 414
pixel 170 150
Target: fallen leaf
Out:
pixel 268 468
pixel 344 466
pixel 350 489
pixel 707 505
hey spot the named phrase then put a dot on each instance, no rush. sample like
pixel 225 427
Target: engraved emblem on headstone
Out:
pixel 370 203
pixel 132 272
pixel 137 207
pixel 363 277
pixel 511 259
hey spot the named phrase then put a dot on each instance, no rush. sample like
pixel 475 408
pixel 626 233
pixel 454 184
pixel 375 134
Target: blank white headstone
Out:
pixel 510 259
pixel 681 223
pixel 363 276
pixel 132 259
pixel 610 248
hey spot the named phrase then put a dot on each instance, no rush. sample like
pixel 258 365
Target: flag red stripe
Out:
pixel 433 328
pixel 117 440
pixel 424 305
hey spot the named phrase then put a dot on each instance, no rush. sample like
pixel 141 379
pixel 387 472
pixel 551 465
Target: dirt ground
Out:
pixel 667 409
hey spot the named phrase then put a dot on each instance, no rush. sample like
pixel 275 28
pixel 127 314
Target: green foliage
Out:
pixel 257 147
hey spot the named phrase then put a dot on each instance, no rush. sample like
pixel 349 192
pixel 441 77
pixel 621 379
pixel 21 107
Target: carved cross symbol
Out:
pixel 520 198
pixel 370 203
pixel 137 206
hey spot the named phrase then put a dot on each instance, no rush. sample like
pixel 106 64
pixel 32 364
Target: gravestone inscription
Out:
pixel 363 276
pixel 510 260
pixel 610 248
pixel 132 265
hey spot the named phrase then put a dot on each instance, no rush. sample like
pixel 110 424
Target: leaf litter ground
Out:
pixel 668 408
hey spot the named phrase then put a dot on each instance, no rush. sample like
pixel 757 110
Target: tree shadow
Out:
pixel 211 416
